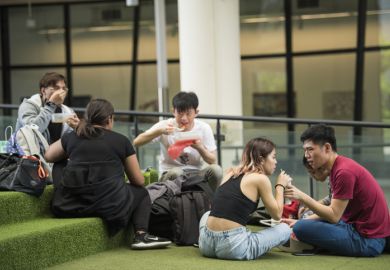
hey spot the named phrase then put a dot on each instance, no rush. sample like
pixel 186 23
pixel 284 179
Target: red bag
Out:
pixel 175 149
pixel 291 210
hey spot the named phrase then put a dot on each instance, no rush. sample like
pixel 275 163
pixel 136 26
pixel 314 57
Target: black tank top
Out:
pixel 230 203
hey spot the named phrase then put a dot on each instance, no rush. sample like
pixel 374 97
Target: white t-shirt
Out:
pixel 190 157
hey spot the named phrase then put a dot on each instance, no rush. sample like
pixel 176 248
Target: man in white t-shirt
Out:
pixel 191 159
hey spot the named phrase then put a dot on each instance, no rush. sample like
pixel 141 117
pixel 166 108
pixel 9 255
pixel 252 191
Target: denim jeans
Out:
pixel 240 243
pixel 340 238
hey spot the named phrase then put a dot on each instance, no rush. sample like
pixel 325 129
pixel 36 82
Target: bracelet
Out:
pixel 280 186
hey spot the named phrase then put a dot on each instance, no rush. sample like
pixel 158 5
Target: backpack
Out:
pixel 28 141
pixel 160 221
pixel 177 216
pixel 258 215
pixel 187 208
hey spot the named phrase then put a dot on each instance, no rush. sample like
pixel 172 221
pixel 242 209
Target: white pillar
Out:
pixel 210 54
pixel 209 32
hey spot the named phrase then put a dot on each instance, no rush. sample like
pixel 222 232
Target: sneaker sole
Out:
pixel 295 246
pixel 151 245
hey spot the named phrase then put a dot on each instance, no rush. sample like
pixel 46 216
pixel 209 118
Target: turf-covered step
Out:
pixel 43 242
pixel 18 206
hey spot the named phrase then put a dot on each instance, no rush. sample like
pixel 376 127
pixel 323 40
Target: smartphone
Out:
pixel 305 252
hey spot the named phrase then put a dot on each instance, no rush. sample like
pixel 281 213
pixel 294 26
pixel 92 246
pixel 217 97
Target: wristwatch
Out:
pixel 51 104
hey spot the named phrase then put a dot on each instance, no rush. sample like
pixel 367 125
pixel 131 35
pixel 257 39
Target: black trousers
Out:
pixel 140 208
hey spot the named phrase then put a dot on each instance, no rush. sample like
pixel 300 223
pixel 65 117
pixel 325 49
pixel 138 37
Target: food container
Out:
pixel 60 117
pixel 188 135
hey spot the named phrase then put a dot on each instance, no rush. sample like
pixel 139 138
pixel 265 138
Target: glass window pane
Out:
pixel 101 32
pixel 147 33
pixel 111 83
pixel 261 27
pixel 330 25
pixel 172 28
pixel 375 156
pixel 324 86
pixel 39 39
pixel 376 95
pixel 1 57
pixel 1 72
pixel 1 86
pixel 25 83
pixel 378 23
pixel 264 87
pixel 147 94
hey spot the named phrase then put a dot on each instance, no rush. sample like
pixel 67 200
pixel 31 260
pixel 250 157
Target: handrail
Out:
pixel 267 119
pixel 219 136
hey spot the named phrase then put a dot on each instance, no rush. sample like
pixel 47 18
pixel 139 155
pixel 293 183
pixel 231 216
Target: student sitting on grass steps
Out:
pixel 93 183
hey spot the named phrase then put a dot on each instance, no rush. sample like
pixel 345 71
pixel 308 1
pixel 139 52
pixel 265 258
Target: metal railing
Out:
pixel 133 117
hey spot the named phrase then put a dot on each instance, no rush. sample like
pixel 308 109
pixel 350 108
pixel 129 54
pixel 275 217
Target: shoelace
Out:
pixel 270 222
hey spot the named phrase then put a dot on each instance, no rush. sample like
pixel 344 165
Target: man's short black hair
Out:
pixel 320 134
pixel 184 101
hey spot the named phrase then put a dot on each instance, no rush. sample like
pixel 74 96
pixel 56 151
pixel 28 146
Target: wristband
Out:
pixel 281 186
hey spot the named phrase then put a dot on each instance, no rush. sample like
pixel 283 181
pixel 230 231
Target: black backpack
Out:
pixel 177 216
pixel 160 222
pixel 187 208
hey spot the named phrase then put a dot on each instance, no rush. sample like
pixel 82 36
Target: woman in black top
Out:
pixel 222 230
pixel 93 182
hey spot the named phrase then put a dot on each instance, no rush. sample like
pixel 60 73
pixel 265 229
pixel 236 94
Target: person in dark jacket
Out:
pixel 93 182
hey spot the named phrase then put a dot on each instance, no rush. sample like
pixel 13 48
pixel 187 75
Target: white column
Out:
pixel 210 62
pixel 210 54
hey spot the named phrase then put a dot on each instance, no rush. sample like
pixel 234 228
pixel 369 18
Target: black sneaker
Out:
pixel 147 241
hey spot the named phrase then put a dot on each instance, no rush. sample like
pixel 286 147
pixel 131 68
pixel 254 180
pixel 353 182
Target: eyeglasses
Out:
pixel 55 88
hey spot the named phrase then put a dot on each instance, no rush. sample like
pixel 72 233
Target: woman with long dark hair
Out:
pixel 223 233
pixel 93 182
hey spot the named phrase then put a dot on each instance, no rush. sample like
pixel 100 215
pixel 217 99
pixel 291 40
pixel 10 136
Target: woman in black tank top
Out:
pixel 222 230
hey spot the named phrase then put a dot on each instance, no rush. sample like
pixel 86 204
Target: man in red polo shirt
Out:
pixel 357 221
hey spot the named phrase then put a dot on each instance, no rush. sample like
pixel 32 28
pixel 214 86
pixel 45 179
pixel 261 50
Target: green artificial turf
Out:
pixel 31 239
pixel 17 206
pixel 189 258
pixel 43 242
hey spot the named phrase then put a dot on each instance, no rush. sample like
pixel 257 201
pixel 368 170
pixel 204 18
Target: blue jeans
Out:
pixel 340 238
pixel 240 243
